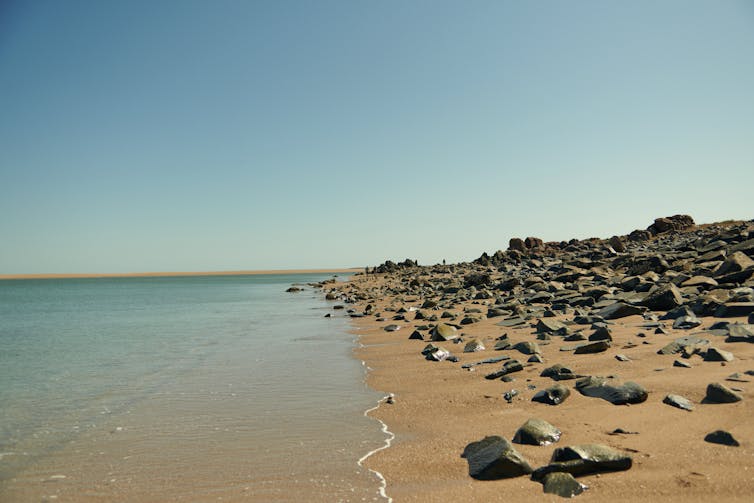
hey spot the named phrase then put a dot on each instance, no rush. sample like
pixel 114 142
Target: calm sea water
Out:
pixel 180 389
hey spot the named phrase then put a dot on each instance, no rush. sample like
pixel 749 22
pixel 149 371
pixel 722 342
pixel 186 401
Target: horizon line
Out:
pixel 165 274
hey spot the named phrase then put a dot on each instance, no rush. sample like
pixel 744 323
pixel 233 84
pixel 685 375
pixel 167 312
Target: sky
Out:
pixel 226 135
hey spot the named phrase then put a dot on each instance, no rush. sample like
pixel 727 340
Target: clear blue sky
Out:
pixel 223 135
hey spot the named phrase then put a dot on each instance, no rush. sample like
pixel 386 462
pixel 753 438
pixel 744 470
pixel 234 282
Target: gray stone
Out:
pixel 608 389
pixel 562 484
pixel 554 395
pixel 738 332
pixel 392 328
pixel 473 346
pixel 736 262
pixel 537 432
pixel 508 368
pixel 686 322
pixel 512 322
pixel 584 460
pixel 527 348
pixel 682 342
pixel 700 281
pixel 679 402
pixel 443 332
pixel 494 458
pixel 549 326
pixel 619 310
pixel 719 393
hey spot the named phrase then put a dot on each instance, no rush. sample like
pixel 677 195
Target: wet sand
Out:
pixel 439 408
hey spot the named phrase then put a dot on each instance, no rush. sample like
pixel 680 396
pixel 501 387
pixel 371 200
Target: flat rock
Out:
pixel 679 402
pixel 592 347
pixel 537 432
pixel 682 342
pixel 719 393
pixel 554 395
pixel 584 460
pixel 392 328
pixel 734 309
pixel 473 346
pixel 509 367
pixel 494 458
pixel 618 310
pixel 686 322
pixel 548 325
pixel 512 322
pixel 721 437
pixel 608 389
pixel 562 484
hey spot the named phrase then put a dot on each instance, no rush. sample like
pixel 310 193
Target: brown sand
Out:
pixel 439 408
pixel 173 274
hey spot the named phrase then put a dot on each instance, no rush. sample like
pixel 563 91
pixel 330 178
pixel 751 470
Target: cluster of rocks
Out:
pixel 671 274
pixel 494 457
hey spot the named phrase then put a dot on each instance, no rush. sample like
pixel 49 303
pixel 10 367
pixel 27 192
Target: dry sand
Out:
pixel 439 408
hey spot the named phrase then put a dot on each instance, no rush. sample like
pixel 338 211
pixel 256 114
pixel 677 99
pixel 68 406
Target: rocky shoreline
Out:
pixel 635 349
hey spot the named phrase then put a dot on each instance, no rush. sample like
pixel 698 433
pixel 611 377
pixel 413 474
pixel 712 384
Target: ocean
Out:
pixel 203 388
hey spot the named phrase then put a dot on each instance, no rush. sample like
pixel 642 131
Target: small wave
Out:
pixel 388 441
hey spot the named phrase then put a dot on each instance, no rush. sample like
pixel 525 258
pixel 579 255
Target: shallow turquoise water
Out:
pixel 177 360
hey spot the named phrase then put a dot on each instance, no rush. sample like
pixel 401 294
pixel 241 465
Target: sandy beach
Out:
pixel 439 407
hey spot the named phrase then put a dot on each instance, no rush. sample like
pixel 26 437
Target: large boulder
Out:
pixel 664 298
pixel 674 223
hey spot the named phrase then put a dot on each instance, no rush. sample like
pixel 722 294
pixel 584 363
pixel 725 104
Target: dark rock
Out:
pixel 537 432
pixel 619 310
pixel 674 223
pixel 622 358
pixel 532 243
pixel 600 387
pixel 617 244
pixel 494 458
pixel 719 393
pixel 517 244
pixel 678 401
pixel 677 345
pixel 559 373
pixel 416 335
pixel 392 328
pixel 592 347
pixel 734 309
pixel 562 484
pixel 508 368
pixel 553 395
pixel 721 437
pixel 583 460
pixel 664 298
pixel 718 355
pixel 682 364
pixel 527 348
pixel 601 334
pixel 536 358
